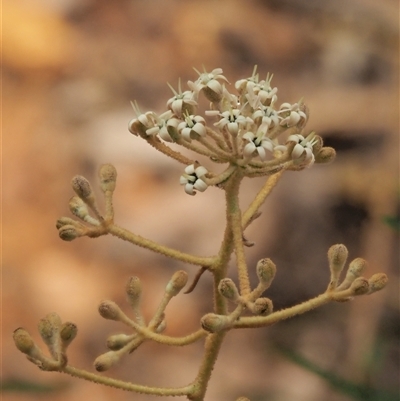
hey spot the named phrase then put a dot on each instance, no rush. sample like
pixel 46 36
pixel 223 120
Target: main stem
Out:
pixel 233 240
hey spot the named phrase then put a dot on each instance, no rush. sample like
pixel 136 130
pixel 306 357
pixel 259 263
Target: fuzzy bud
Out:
pixel 227 288
pixel 49 328
pixel 134 290
pixel 357 267
pixel 325 155
pixel 360 286
pixel 82 187
pixel 68 332
pixel 177 282
pixel 377 282
pixel 110 310
pixel 106 361
pixel 215 323
pixel 69 232
pixel 108 177
pixel 117 341
pixel 66 221
pixel 23 341
pixel 262 307
pixel 266 270
pixel 78 207
pixel 337 256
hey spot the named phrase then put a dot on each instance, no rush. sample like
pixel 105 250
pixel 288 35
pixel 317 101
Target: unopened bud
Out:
pixel 78 207
pixel 82 187
pixel 325 155
pixel 262 306
pixel 108 177
pixel 177 282
pixel 117 341
pixel 68 332
pixel 106 361
pixel 69 232
pixel 23 341
pixel 215 323
pixel 266 270
pixel 134 291
pixel 377 282
pixel 357 267
pixel 66 221
pixel 49 328
pixel 227 288
pixel 110 310
pixel 355 270
pixel 337 256
pixel 360 286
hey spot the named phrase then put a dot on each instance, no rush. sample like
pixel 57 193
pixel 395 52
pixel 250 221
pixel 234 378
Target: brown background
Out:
pixel 70 71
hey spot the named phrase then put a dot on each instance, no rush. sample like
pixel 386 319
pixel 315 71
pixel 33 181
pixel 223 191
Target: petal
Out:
pixel 189 189
pixel 261 152
pixel 199 129
pixel 215 86
pixel 200 171
pixel 298 150
pixel 200 185
pixel 249 149
pixel 189 169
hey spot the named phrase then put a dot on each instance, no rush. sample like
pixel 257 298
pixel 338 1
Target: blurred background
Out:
pixel 70 70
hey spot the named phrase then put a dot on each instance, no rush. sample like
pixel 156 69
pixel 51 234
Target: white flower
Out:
pixel 257 144
pixel 292 114
pixel 266 115
pixel 162 124
pixel 192 126
pixel 232 120
pixel 303 148
pixel 181 101
pixel 192 179
pixel 243 85
pixel 210 81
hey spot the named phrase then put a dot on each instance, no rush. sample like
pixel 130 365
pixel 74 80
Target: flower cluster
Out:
pixel 241 129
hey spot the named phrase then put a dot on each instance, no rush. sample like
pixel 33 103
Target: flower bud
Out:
pixel 337 256
pixel 357 267
pixel 82 187
pixel 377 282
pixel 23 341
pixel 134 291
pixel 360 286
pixel 227 288
pixel 106 361
pixel 262 306
pixel 266 270
pixel 117 341
pixel 49 328
pixel 69 232
pixel 68 332
pixel 325 155
pixel 177 282
pixel 110 310
pixel 78 207
pixel 66 221
pixel 215 323
pixel 108 177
